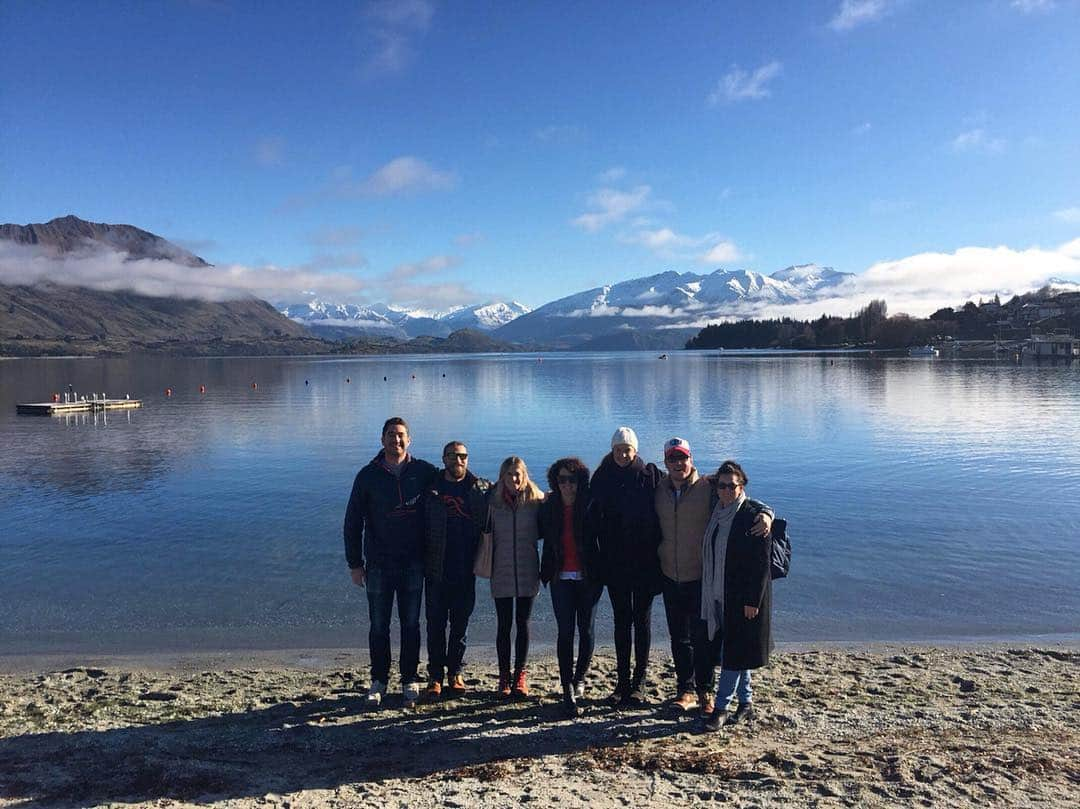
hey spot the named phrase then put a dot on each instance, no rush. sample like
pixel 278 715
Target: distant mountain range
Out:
pixel 657 312
pixel 668 307
pixel 337 321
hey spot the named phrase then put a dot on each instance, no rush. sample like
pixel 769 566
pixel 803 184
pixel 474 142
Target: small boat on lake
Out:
pixel 922 351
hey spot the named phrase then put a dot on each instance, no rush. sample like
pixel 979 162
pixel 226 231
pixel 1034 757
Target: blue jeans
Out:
pixel 453 602
pixel 733 683
pixel 383 584
pixel 574 604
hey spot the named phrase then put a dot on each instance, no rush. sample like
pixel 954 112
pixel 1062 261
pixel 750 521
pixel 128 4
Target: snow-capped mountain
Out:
pixel 379 319
pixel 485 316
pixel 672 301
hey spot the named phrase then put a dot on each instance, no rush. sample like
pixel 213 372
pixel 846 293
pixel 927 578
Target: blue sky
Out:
pixel 435 154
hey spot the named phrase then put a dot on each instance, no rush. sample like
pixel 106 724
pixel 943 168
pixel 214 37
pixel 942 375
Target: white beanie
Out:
pixel 624 435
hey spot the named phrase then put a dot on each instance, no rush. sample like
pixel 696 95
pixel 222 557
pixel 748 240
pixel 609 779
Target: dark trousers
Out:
pixel 632 612
pixel 694 654
pixel 448 602
pixel 510 611
pixel 407 584
pixel 574 603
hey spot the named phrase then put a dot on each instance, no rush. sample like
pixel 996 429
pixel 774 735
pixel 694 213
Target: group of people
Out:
pixel 421 535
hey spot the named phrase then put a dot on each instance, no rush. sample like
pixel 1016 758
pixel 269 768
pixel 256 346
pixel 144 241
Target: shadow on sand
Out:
pixel 319 744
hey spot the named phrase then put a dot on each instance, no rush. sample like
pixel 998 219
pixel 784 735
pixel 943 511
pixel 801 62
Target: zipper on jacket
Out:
pixel 513 517
pixel 678 497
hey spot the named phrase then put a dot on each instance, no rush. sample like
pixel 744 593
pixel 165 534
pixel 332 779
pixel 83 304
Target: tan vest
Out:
pixel 682 526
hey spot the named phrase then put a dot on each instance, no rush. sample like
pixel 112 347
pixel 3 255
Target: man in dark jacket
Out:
pixel 455 508
pixel 384 548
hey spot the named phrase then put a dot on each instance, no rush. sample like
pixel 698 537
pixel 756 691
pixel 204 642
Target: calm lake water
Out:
pixel 928 499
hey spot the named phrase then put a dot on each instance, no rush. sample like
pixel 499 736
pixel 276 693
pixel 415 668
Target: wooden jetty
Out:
pixel 77 406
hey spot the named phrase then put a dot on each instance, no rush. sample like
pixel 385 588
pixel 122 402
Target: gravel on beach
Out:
pixel 929 726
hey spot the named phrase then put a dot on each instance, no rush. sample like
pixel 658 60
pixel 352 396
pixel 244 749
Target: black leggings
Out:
pixel 504 613
pixel 632 609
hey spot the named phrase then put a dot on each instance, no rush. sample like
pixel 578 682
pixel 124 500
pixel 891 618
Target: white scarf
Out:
pixel 713 558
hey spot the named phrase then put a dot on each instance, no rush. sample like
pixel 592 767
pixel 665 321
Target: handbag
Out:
pixel 484 552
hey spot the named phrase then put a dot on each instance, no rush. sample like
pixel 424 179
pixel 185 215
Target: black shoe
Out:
pixel 636 696
pixel 618 696
pixel 716 720
pixel 569 701
pixel 744 713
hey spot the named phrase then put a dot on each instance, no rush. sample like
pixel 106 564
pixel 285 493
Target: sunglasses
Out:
pixel 674 459
pixel 461 456
pixel 730 486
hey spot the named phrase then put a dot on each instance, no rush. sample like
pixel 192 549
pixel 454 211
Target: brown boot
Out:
pixel 521 684
pixel 457 685
pixel 504 684
pixel 685 702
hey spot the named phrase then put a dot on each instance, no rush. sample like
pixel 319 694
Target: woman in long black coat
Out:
pixel 736 592
pixel 623 514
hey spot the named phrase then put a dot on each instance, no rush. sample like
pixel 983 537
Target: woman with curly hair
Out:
pixel 568 566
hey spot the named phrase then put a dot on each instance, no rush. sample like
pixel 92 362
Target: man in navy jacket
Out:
pixel 384 548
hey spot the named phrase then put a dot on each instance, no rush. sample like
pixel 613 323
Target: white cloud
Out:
pixel 394 27
pixel 613 174
pixel 1031 6
pixel 345 236
pixel 723 252
pixel 853 13
pixel 610 205
pixel 1070 215
pixel 270 152
pixel 402 175
pixel 738 85
pixel 659 239
pixel 109 270
pixel 334 261
pixel 468 239
pixel 862 129
pixel 977 141
pixel 922 283
pixel 561 134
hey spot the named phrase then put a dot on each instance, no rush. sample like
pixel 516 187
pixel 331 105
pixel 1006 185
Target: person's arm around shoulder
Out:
pixel 763 522
pixel 355 513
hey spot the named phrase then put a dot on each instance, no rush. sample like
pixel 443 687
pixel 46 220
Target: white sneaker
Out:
pixel 410 692
pixel 375 694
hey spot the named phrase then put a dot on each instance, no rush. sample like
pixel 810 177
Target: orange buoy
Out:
pixel 202 388
pixel 56 397
pixel 254 385
pixel 168 391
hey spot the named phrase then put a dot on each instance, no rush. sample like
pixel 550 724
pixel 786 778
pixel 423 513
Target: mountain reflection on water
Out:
pixel 928 499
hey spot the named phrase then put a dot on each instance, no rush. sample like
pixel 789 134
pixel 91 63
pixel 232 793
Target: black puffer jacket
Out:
pixel 384 521
pixel 623 518
pixel 551 525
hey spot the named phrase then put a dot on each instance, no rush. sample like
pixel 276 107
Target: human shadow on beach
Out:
pixel 322 743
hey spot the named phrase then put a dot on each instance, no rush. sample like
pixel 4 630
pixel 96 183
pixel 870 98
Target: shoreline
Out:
pixel 316 658
pixel 889 727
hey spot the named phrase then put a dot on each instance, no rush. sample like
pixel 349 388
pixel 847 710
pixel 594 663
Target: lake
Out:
pixel 928 500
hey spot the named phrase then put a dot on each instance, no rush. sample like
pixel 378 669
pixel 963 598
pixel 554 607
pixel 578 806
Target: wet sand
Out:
pixel 899 726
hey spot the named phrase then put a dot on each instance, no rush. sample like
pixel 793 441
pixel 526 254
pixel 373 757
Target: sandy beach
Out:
pixel 966 726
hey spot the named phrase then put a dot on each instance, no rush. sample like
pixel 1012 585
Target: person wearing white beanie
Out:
pixel 623 490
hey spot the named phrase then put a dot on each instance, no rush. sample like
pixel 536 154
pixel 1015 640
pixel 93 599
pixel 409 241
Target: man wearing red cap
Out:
pixel 684 502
